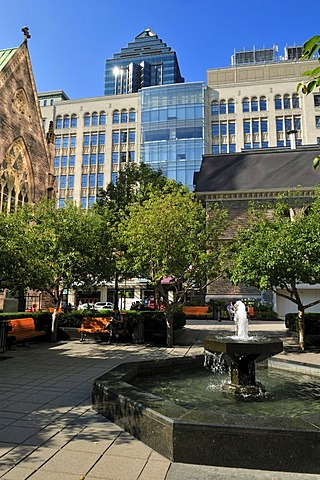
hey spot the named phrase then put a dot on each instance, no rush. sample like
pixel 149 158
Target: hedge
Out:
pixel 311 323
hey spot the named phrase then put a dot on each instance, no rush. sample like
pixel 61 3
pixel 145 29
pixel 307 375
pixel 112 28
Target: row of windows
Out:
pixel 123 116
pixel 123 136
pixel 91 180
pixel 123 156
pixel 65 141
pixel 67 121
pixel 94 139
pixel 259 125
pixel 255 104
pixel 92 159
pixel 64 161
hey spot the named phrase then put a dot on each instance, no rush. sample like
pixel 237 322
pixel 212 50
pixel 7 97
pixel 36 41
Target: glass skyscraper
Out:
pixel 172 129
pixel 143 63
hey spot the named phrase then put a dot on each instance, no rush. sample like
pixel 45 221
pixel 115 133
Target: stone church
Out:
pixel 26 153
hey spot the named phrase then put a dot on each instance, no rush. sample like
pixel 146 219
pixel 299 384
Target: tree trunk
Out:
pixel 301 333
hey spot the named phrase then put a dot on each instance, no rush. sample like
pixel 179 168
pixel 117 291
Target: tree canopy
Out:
pixel 171 236
pixel 280 252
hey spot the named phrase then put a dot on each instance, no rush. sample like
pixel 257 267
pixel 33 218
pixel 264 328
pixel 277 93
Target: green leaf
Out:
pixel 316 162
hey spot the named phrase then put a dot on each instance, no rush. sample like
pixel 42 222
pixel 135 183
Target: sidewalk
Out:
pixel 49 431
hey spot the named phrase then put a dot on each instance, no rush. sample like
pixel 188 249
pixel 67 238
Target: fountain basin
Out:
pixel 242 355
pixel 270 443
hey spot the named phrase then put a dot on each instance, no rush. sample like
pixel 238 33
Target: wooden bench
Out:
pixel 21 330
pixel 93 325
pixel 97 326
pixel 194 311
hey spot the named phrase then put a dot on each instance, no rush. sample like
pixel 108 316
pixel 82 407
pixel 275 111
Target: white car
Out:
pixel 103 306
pixel 85 306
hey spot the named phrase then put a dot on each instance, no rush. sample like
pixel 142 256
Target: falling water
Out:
pixel 241 320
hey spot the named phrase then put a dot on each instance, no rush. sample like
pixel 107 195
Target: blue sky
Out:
pixel 72 38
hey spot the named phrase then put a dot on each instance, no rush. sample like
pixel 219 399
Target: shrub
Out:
pixel 311 322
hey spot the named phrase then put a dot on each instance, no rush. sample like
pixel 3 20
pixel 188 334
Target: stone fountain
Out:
pixel 242 352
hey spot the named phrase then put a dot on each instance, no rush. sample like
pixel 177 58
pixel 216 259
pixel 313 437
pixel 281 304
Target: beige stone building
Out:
pixel 253 106
pixel 94 139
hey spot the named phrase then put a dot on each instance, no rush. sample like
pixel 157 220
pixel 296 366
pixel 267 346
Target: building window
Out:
pixel 245 105
pixel 64 161
pixel 131 155
pixel 85 160
pixel 65 141
pixel 223 107
pixel 255 126
pixel 215 107
pixel 115 138
pixel 247 146
pixel 132 115
pixel 215 129
pixel 92 180
pixel 231 106
pixel 232 128
pixel 124 136
pixel 215 149
pixel 115 117
pixel 58 122
pixel 114 177
pixel 62 202
pixel 66 121
pixel 286 102
pixel 91 200
pixel 254 104
pixel 84 202
pixel 94 139
pixel 44 103
pixel 278 102
pixel 317 121
pixel 56 162
pixel 93 159
pixel 86 140
pixel 84 180
pixel 279 124
pixel 86 121
pixel 280 143
pixel 123 157
pixel 246 126
pixel 102 118
pixel 73 141
pixel 295 101
pixel 101 158
pixel 63 181
pixel 57 143
pixel 115 157
pixel 224 148
pixel 72 161
pixel 102 138
pixel 263 103
pixel 74 121
pixel 51 102
pixel 71 181
pixel 100 180
pixel 232 147
pixel 132 136
pixel 124 116
pixel 94 119
pixel 223 128
pixel 264 125
pixel 288 123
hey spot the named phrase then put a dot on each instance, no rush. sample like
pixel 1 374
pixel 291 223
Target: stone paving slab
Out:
pixel 49 431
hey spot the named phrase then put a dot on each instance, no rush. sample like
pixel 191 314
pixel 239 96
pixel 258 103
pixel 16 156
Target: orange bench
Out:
pixel 93 325
pixel 22 329
pixel 190 311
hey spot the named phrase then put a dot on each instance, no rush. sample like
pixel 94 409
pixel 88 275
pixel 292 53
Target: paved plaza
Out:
pixel 49 431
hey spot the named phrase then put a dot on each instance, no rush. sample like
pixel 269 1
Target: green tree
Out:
pixel 70 249
pixel 280 252
pixel 311 48
pixel 170 235
pixel 134 183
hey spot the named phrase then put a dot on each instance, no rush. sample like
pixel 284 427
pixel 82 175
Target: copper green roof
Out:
pixel 5 56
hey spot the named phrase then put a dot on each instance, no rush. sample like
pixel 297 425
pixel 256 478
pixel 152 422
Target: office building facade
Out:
pixel 146 62
pixel 256 105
